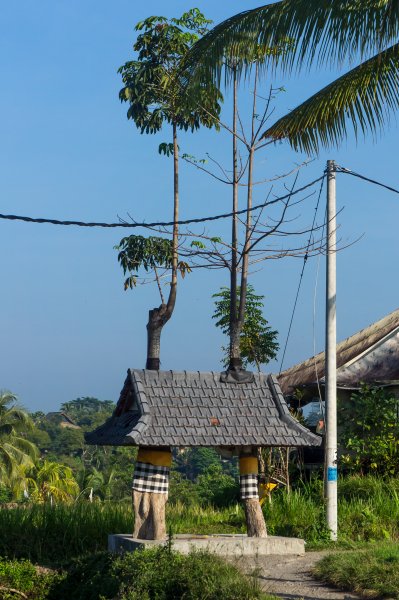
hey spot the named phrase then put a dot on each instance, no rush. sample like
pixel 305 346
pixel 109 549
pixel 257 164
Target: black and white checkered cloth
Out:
pixel 150 478
pixel 249 486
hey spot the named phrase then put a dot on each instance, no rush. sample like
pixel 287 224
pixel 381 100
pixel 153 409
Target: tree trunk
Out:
pixel 157 317
pixel 149 510
pixel 256 526
pixel 235 355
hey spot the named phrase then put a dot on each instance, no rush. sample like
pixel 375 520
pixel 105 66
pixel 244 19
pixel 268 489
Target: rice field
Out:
pixel 368 511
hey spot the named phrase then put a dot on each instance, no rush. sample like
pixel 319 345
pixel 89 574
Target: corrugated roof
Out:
pixel 169 408
pixel 380 365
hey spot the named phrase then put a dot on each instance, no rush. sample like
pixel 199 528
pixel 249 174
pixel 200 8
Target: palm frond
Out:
pixel 334 30
pixel 364 97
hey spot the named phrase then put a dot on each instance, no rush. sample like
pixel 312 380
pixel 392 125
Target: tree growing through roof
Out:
pixel 254 236
pixel 153 89
pixel 258 341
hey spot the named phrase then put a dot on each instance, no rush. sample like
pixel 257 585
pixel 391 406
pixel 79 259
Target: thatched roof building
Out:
pixel 369 356
pixel 170 408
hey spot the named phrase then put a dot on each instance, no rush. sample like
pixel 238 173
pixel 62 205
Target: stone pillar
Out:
pixel 150 492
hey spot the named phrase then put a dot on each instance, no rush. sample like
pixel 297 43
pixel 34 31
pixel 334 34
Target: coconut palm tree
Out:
pixel 323 32
pixel 15 450
pixel 51 481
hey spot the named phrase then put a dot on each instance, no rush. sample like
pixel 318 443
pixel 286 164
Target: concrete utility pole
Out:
pixel 331 357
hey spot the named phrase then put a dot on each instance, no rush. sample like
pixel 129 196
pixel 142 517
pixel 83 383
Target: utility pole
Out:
pixel 331 357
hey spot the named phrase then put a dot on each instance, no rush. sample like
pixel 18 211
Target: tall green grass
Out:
pixel 373 572
pixel 55 534
pixel 368 511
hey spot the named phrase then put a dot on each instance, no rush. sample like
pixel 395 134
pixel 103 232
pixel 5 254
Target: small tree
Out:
pixel 258 343
pixel 153 87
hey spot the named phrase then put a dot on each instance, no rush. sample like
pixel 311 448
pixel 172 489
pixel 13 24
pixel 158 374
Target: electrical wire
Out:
pixel 340 169
pixel 321 406
pixel 305 259
pixel 135 224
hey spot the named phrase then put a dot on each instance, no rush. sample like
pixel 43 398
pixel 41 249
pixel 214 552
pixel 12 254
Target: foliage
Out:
pixel 216 488
pixel 22 576
pixel 154 88
pixel 55 534
pixel 182 491
pixel 87 578
pixel 137 252
pixel 101 472
pixel 156 574
pixel 258 343
pixel 373 572
pixel 369 436
pixel 52 482
pixel 83 411
pixel 153 84
pixel 368 510
pixel 194 461
pixel 325 33
pixel 5 494
pixel 15 450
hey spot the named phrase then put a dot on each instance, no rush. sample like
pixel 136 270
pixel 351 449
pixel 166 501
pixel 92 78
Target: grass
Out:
pixel 368 511
pixel 373 572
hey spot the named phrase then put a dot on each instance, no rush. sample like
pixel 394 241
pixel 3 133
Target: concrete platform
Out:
pixel 223 545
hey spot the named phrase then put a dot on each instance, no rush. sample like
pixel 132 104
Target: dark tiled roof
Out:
pixel 169 408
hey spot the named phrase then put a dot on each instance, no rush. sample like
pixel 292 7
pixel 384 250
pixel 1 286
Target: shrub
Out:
pixel 21 576
pixel 156 573
pixel 87 578
pixel 216 488
pixel 370 432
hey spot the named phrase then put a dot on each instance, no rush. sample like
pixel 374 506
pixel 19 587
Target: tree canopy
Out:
pixel 323 33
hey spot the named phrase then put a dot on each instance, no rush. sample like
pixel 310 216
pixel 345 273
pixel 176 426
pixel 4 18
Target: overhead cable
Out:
pixel 135 224
pixel 340 169
pixel 305 259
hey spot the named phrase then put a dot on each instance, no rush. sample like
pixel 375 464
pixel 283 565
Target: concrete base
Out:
pixel 223 545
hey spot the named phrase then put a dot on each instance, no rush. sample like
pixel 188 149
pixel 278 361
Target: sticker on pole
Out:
pixel 332 474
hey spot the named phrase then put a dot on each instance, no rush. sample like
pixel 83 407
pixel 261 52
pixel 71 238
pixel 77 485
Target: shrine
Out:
pixel 233 413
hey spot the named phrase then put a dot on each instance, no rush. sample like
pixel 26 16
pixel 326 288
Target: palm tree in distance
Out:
pixel 15 450
pixel 51 481
pixel 324 32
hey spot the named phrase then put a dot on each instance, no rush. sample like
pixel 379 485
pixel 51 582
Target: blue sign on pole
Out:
pixel 332 474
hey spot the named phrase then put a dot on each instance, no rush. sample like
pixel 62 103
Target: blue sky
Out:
pixel 67 151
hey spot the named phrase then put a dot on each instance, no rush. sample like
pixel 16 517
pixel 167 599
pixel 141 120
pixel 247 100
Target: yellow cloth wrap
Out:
pixel 159 458
pixel 248 465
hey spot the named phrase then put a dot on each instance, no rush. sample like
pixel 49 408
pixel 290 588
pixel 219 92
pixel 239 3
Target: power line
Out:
pixel 305 259
pixel 374 181
pixel 160 223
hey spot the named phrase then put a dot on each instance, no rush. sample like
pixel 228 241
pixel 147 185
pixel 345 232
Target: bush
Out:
pixel 370 432
pixel 155 574
pixel 87 578
pixel 216 488
pixel 22 576
pixel 182 490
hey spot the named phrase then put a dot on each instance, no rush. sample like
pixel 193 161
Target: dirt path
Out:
pixel 290 577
